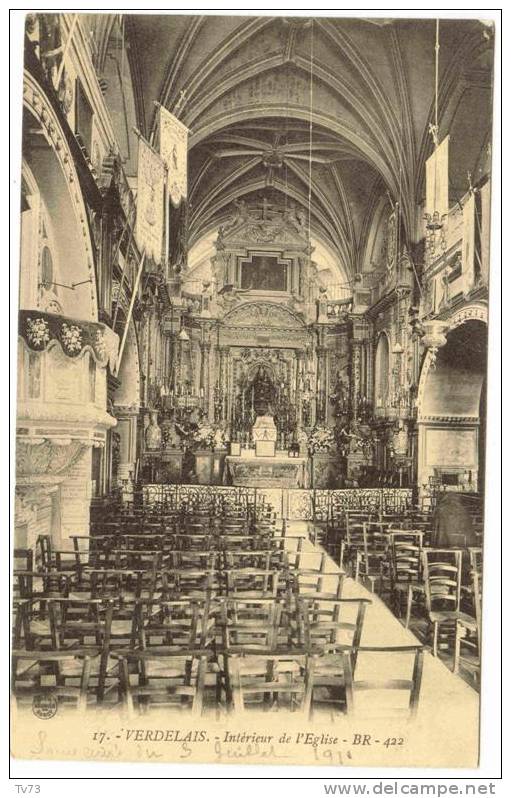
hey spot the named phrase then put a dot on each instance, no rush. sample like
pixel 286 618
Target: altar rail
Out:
pixel 291 504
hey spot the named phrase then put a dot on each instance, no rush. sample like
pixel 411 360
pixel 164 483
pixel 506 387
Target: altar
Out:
pixel 279 471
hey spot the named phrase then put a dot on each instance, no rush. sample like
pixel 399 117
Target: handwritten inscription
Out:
pixel 152 744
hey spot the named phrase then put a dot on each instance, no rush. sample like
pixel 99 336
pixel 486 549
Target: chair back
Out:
pixel 387 662
pixel 331 623
pixel 442 578
pixel 406 553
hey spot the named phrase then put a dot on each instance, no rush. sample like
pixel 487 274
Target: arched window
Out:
pixel 381 372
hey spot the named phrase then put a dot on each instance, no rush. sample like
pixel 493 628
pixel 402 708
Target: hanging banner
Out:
pixel 150 194
pixel 437 180
pixel 174 152
pixel 467 258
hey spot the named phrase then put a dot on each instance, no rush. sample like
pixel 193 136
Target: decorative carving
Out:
pixel 48 457
pixel 434 338
pixel 264 225
pixel 263 315
pixel 300 505
pixel 66 93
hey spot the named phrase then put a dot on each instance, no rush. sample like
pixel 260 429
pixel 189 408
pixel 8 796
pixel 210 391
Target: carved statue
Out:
pixel 241 214
pixel 263 392
pixel 153 435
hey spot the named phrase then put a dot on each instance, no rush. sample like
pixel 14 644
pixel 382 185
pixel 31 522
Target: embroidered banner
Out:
pixel 150 200
pixel 174 152
pixel 437 179
pixel 75 336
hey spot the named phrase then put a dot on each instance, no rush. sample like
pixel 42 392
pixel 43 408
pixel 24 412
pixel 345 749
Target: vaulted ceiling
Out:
pixel 262 94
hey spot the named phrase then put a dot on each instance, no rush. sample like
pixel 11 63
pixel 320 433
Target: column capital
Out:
pixel 434 336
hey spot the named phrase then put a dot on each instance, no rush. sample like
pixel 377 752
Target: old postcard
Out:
pixel 252 376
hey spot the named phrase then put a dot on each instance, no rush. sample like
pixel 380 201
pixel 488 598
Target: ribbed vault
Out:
pixel 262 94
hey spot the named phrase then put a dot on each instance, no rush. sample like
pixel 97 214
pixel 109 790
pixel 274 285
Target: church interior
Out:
pixel 252 358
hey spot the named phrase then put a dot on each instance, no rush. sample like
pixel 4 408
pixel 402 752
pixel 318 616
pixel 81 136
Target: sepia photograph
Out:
pixel 251 414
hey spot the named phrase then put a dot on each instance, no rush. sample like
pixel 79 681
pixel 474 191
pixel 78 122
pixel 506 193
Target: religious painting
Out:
pixel 264 273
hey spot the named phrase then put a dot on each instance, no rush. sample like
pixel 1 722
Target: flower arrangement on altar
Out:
pixel 322 441
pixel 360 440
pixel 208 436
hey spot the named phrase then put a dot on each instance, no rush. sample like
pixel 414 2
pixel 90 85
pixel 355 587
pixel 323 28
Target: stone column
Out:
pixel 75 497
pixel 205 350
pixel 370 369
pixel 355 378
pixel 298 390
pixel 322 375
pixel 127 420
pixel 221 381
pixel 359 336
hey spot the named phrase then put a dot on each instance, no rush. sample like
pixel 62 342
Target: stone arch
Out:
pixel 53 171
pixel 450 402
pixel 472 312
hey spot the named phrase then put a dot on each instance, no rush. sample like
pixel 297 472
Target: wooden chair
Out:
pixel 177 583
pixel 44 553
pixel 164 678
pixel 252 582
pixel 467 647
pixel 194 560
pixel 328 623
pixel 35 679
pixel 318 584
pixel 442 580
pixel 329 630
pixel 387 673
pixel 352 543
pixel 23 560
pixel 271 681
pixel 250 622
pixel 175 624
pixel 32 590
pixel 262 559
pixel 370 558
pixel 83 625
pixel 405 552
